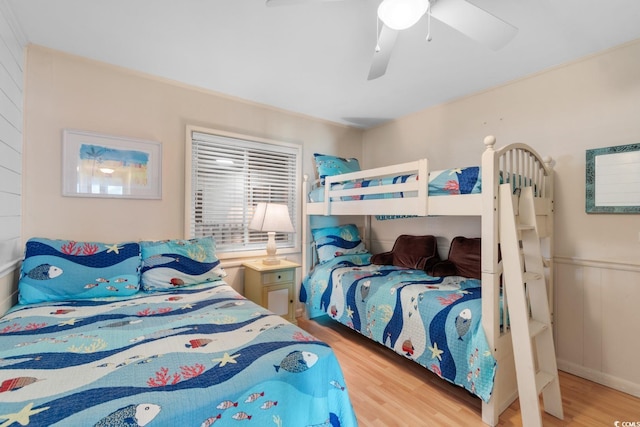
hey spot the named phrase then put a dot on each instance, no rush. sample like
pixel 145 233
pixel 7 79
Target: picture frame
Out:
pixel 613 180
pixel 98 165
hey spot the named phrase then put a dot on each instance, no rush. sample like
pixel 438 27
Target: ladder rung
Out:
pixel 543 379
pixel 530 276
pixel 526 227
pixel 536 327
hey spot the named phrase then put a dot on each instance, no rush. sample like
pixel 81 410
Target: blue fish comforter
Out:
pixel 447 182
pixel 441 183
pixel 198 356
pixel 432 321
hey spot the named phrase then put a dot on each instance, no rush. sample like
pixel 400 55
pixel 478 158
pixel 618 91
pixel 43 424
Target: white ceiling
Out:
pixel 314 58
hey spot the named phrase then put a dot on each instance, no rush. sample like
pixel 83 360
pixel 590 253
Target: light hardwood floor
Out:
pixel 389 390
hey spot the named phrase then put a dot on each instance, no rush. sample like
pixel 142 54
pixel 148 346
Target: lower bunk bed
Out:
pixel 431 319
pixel 176 354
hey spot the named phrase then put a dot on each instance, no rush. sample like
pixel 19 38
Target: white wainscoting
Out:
pixel 8 288
pixel 597 321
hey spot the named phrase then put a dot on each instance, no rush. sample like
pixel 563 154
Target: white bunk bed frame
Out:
pixel 516 163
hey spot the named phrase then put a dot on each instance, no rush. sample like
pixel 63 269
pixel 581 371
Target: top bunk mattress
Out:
pixel 446 182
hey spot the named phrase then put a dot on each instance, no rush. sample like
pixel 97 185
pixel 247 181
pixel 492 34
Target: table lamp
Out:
pixel 272 218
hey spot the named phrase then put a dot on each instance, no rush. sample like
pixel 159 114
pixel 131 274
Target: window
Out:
pixel 227 176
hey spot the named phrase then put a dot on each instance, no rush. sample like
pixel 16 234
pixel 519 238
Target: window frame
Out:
pixel 188 187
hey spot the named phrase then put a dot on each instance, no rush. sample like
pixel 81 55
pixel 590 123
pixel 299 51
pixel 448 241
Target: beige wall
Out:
pixel 588 104
pixel 64 91
pixel 563 112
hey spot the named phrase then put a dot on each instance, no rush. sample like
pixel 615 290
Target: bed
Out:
pixel 346 190
pixel 434 321
pixel 187 350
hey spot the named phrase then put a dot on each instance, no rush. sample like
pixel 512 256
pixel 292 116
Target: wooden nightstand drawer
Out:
pixel 277 277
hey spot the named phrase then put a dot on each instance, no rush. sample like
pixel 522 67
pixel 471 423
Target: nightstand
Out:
pixel 272 286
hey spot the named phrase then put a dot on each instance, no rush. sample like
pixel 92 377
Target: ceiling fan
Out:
pixel 398 15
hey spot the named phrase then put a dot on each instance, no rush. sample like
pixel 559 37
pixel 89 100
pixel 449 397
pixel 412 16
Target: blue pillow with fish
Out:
pixel 328 165
pixel 337 241
pixel 60 270
pixel 170 264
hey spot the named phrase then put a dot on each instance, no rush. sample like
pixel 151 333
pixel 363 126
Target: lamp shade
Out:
pixel 402 14
pixel 271 217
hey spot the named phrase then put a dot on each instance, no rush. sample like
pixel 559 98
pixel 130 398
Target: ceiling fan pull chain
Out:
pixel 429 22
pixel 377 34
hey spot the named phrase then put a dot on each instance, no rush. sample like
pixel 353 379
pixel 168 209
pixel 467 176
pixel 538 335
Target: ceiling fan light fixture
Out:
pixel 402 14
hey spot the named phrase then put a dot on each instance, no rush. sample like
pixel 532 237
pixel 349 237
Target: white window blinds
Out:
pixel 229 177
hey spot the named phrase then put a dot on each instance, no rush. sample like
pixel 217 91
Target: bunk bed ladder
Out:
pixel 528 307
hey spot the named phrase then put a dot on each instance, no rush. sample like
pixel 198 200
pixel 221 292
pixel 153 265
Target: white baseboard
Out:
pixel 600 378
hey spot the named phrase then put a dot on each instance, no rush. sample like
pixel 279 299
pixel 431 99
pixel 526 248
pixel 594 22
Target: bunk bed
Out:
pixel 368 193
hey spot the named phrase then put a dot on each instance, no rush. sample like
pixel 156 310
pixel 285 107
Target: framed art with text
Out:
pixel 613 179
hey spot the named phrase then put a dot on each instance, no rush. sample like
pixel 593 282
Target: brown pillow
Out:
pixel 464 253
pixel 418 252
pixel 443 269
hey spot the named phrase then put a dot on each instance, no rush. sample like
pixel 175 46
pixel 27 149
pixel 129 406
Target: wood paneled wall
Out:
pixel 12 44
pixel 596 327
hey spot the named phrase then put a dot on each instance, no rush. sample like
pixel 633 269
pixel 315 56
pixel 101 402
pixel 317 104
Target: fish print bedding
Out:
pixel 441 183
pixel 196 356
pixel 434 321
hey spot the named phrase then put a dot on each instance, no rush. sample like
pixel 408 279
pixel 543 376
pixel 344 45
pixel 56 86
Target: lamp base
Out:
pixel 271 250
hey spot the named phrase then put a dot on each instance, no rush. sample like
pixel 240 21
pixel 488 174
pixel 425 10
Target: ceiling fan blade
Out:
pixel 293 2
pixel 474 22
pixel 386 40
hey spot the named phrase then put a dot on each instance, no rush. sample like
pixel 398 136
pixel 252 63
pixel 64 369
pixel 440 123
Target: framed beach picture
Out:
pixel 95 165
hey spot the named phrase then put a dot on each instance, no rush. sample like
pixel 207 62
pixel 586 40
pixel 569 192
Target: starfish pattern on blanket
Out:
pixel 226 359
pixel 436 352
pixel 69 322
pixel 113 248
pixel 21 417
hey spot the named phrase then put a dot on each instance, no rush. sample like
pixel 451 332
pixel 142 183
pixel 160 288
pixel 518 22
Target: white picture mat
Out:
pixel 97 165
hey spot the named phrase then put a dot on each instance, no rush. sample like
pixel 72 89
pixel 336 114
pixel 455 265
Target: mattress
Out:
pixel 196 356
pixel 434 321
